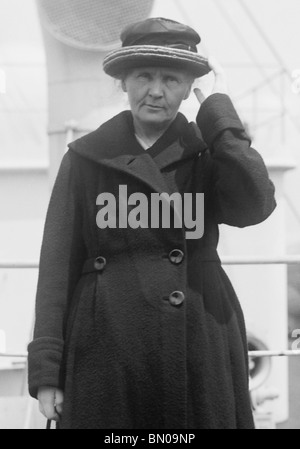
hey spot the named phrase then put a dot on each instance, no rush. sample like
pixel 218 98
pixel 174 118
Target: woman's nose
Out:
pixel 156 88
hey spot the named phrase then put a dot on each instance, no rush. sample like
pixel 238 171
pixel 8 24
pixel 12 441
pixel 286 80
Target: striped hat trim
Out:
pixel 152 51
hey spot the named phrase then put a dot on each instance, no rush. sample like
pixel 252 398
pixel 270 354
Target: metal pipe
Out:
pixel 21 356
pixel 69 126
pixel 226 260
pixel 18 264
pixel 255 260
pixel 291 353
pixel 287 353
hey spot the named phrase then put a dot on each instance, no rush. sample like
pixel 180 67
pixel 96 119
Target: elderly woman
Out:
pixel 137 325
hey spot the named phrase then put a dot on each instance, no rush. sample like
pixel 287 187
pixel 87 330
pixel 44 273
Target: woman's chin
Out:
pixel 155 120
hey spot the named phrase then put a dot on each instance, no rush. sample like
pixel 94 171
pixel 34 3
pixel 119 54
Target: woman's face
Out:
pixel 155 94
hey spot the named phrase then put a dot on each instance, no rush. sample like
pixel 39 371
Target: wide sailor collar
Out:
pixel 115 139
pixel 114 145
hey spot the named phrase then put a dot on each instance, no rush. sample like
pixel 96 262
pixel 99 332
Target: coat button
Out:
pixel 176 298
pixel 100 263
pixel 176 256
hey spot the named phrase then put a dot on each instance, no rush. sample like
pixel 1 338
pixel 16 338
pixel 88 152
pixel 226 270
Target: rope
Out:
pixel 252 55
pixel 264 37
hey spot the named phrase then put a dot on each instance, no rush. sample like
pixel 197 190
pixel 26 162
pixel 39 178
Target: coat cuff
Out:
pixel 44 364
pixel 217 114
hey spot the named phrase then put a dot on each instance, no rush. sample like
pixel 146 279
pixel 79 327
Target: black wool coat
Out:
pixel 142 337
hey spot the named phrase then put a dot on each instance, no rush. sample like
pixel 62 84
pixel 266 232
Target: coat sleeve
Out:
pixel 242 192
pixel 61 258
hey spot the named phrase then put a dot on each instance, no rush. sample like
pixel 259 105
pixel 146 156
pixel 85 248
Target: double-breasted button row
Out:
pixel 176 298
pixel 100 263
pixel 176 256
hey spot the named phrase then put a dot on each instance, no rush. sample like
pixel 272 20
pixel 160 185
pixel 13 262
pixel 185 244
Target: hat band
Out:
pixel 155 42
pixel 183 47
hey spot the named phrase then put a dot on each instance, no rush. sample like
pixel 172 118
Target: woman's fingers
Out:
pixel 220 82
pixel 59 402
pixel 220 85
pixel 215 65
pixel 47 409
pixel 50 402
pixel 199 94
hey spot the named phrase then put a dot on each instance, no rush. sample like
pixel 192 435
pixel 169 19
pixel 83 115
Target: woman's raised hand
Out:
pixel 220 83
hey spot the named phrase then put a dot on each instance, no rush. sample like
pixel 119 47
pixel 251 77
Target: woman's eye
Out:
pixel 143 76
pixel 170 80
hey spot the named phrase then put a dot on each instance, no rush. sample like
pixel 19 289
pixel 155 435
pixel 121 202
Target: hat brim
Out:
pixel 119 61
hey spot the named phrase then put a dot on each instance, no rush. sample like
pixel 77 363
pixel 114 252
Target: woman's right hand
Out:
pixel 220 82
pixel 51 402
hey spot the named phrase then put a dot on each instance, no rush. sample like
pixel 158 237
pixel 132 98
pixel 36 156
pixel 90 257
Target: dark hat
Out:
pixel 157 42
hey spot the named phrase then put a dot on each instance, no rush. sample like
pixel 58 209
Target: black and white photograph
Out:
pixel 149 217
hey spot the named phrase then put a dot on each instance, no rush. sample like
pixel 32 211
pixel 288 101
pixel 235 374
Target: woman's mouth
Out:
pixel 153 106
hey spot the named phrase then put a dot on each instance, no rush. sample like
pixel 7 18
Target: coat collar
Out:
pixel 114 145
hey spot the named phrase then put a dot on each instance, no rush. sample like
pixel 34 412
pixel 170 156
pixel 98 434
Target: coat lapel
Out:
pixel 142 167
pixel 114 145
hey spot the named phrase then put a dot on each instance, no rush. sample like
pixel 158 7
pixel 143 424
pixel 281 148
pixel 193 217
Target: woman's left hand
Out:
pixel 220 84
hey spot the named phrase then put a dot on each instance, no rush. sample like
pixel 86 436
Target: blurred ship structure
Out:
pixel 53 89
